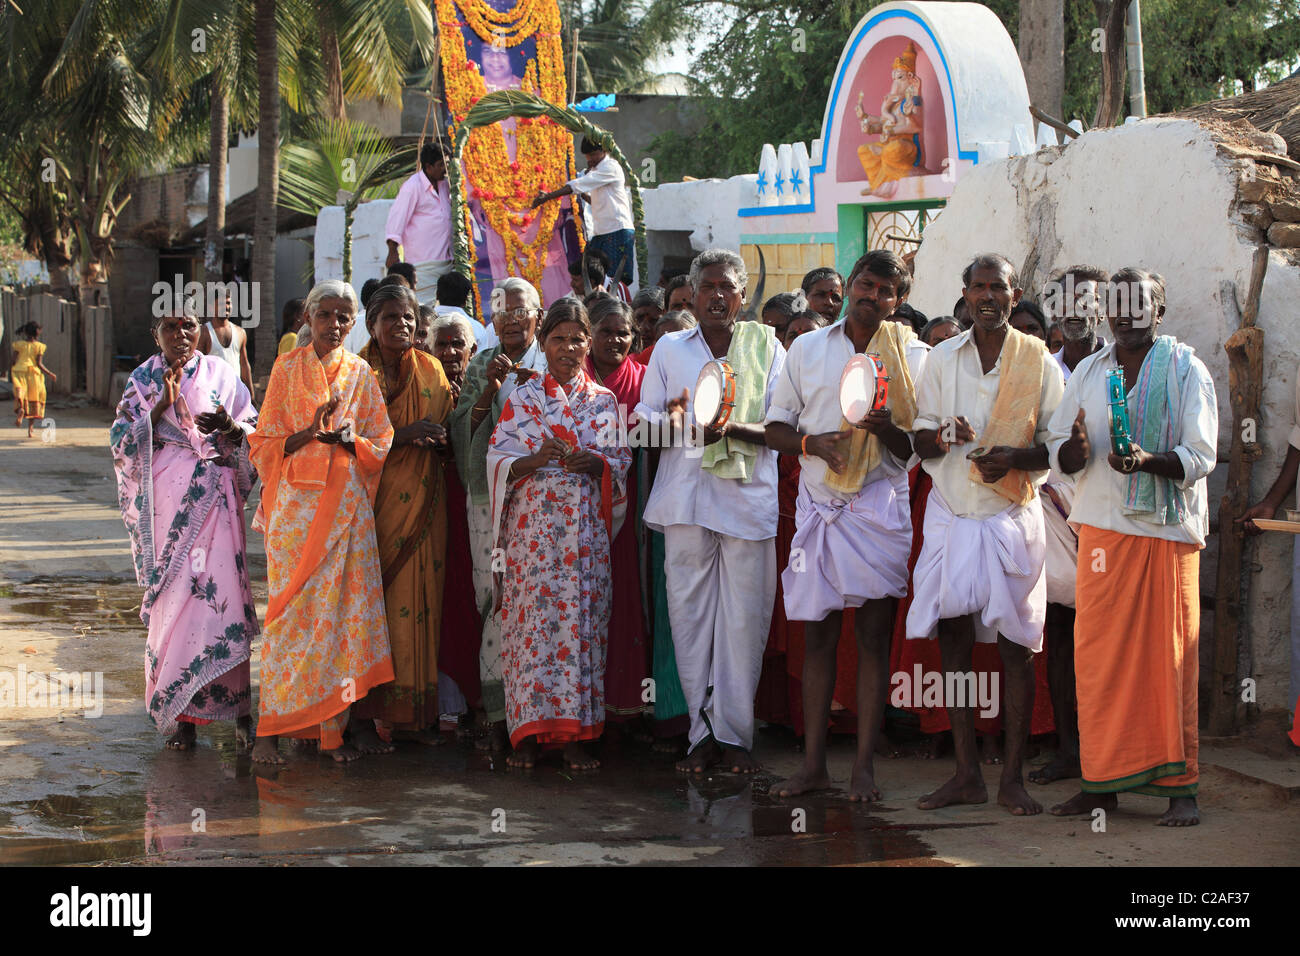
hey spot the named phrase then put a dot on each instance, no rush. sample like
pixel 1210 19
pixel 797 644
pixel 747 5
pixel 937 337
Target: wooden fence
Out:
pixel 79 341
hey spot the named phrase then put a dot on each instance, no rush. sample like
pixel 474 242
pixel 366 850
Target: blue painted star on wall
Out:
pixel 796 182
pixel 762 182
pixel 779 184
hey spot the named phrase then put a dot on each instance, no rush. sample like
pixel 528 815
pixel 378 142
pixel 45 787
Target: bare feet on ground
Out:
pixel 704 756
pixel 739 760
pixel 495 740
pixel 1082 804
pixel 344 753
pixel 1060 767
pixel 669 745
pixel 807 780
pixel 183 739
pixel 969 789
pixel 1013 795
pixel 267 750
pixel 576 757
pixel 524 757
pixel 1182 812
pixel 862 784
pixel 365 740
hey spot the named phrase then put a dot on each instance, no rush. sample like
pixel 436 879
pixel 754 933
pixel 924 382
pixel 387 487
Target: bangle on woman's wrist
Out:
pixel 803 446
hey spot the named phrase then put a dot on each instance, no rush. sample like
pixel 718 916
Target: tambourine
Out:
pixel 864 387
pixel 1121 431
pixel 715 394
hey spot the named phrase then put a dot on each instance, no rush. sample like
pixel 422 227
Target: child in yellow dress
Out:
pixel 28 375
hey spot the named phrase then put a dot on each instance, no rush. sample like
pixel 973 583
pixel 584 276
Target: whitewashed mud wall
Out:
pixel 1162 195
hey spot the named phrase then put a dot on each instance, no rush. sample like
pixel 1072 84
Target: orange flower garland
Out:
pixel 505 188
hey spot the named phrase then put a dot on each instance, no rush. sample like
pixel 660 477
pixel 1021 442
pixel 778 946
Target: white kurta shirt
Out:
pixel 684 493
pixel 1099 489
pixel 604 187
pixel 807 397
pixel 954 383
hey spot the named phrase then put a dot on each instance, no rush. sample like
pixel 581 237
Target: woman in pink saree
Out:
pixel 559 481
pixel 183 474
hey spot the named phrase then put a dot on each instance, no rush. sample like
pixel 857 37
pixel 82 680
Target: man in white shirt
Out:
pixel 851 544
pixel 1073 300
pixel 420 222
pixel 719 532
pixel 604 188
pixel 1142 519
pixel 990 390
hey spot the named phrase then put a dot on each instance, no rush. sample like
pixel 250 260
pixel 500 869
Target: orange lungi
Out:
pixel 1135 658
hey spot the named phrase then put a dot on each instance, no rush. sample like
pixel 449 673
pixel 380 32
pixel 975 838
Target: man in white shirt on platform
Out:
pixel 716 507
pixel 853 520
pixel 604 188
pixel 420 222
pixel 989 391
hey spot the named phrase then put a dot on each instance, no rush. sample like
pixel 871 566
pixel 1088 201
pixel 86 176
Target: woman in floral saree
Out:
pixel 319 449
pixel 183 475
pixel 558 482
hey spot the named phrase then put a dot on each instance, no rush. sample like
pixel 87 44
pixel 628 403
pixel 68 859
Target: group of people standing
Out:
pixel 453 530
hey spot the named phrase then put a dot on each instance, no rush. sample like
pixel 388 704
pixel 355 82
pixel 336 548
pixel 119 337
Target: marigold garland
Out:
pixel 503 187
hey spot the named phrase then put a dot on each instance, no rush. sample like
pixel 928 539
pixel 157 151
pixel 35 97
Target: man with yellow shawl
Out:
pixel 1142 519
pixel 410 519
pixel 853 518
pixel 320 444
pixel 985 395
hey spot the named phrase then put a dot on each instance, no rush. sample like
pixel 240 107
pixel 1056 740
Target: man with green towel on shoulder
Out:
pixel 717 511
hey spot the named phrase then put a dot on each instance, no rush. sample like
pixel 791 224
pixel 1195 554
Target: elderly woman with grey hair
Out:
pixel 489 380
pixel 321 442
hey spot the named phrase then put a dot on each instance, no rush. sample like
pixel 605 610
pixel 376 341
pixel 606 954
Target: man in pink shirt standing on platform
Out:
pixel 420 222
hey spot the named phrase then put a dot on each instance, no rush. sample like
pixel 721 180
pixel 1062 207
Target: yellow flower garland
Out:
pixel 503 187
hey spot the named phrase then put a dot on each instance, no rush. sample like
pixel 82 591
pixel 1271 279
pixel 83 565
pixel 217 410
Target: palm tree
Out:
pixel 77 100
pixel 617 42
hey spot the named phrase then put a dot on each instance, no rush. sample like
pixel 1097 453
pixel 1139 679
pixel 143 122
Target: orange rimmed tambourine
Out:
pixel 715 394
pixel 864 387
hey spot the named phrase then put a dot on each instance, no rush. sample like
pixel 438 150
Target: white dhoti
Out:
pixel 1062 559
pixel 720 593
pixel 991 567
pixel 427 275
pixel 845 553
pixel 482 542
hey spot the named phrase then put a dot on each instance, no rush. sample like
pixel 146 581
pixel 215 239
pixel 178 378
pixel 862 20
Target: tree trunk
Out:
pixel 1114 60
pixel 214 242
pixel 1042 52
pixel 268 184
pixel 332 63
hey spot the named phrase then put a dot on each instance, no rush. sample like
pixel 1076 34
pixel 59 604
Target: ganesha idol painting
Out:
pixel 900 151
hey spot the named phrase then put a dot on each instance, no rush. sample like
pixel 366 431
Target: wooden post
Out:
pixel 1245 348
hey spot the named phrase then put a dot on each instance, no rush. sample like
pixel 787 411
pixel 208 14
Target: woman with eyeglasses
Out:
pixel 320 445
pixel 490 378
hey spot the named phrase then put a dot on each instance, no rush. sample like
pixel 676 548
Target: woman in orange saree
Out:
pixel 319 448
pixel 410 520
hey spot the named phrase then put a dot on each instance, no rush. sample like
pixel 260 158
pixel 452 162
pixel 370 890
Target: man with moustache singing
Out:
pixel 717 510
pixel 1142 519
pixel 853 520
pixel 987 395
